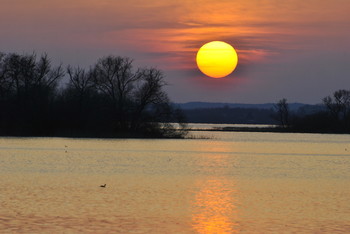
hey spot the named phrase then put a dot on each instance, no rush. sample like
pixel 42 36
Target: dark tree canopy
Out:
pixel 111 99
pixel 339 104
pixel 338 107
pixel 334 117
pixel 28 87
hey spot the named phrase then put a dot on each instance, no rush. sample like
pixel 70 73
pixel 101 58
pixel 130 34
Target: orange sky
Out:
pixel 286 48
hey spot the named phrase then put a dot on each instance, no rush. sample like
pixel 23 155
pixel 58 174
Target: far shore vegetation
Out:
pixel 333 117
pixel 112 99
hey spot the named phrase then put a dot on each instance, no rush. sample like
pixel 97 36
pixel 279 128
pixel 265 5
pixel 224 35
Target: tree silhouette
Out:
pixel 28 88
pixel 339 107
pixel 148 91
pixel 282 112
pixel 111 99
pixel 114 78
pixel 339 104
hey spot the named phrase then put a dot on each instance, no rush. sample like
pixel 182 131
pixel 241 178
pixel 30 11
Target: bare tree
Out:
pixel 148 95
pixel 109 99
pixel 150 89
pixel 115 78
pixel 28 87
pixel 339 104
pixel 45 74
pixel 23 73
pixel 80 80
pixel 137 96
pixel 282 111
pixel 5 81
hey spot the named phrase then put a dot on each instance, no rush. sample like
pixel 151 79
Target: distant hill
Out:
pixel 237 113
pixel 206 105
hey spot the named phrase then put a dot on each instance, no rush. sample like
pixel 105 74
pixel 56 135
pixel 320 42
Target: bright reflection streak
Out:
pixel 214 206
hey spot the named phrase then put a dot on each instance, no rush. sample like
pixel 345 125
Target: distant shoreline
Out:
pixel 264 129
pixel 267 129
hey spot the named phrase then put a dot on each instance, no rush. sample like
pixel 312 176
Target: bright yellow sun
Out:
pixel 217 59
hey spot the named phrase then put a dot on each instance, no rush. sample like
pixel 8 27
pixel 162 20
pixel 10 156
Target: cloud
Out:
pixel 274 39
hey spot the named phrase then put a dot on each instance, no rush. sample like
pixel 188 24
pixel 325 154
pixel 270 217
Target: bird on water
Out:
pixel 103 185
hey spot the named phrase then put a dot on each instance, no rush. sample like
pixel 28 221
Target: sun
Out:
pixel 217 59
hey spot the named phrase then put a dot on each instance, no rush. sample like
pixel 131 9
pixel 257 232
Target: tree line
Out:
pixel 333 118
pixel 230 115
pixel 110 99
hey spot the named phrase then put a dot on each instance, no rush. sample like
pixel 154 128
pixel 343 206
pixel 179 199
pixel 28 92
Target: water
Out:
pixel 230 183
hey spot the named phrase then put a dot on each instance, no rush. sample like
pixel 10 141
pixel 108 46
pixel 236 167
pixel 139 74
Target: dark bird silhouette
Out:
pixel 103 185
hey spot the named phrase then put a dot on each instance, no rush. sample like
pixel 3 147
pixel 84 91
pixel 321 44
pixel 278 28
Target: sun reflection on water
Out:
pixel 214 209
pixel 215 203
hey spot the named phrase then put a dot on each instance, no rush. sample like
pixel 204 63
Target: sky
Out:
pixel 293 49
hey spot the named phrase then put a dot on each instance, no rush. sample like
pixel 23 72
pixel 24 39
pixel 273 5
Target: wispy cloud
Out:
pixel 167 34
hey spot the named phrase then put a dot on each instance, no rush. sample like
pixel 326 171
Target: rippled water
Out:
pixel 230 183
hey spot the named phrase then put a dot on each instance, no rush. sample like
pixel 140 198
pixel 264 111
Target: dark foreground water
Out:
pixel 231 183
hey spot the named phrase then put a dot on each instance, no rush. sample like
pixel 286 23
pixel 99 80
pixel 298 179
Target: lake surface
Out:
pixel 231 183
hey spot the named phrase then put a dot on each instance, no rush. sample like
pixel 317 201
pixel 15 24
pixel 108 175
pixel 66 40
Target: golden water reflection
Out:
pixel 246 182
pixel 214 208
pixel 215 203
